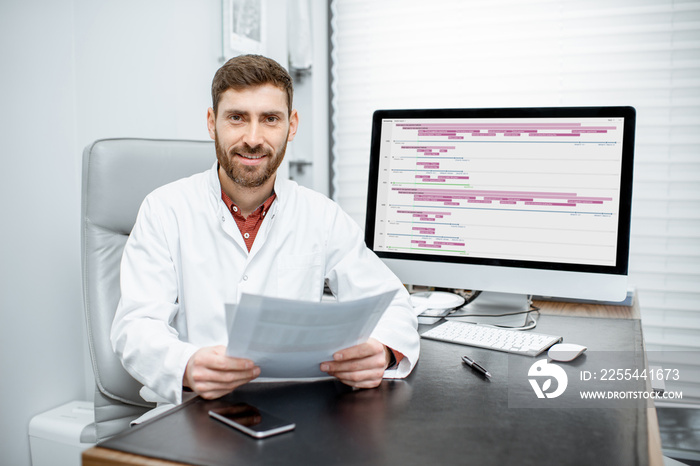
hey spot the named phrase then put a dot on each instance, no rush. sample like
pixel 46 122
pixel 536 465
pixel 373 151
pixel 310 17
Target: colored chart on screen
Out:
pixel 531 189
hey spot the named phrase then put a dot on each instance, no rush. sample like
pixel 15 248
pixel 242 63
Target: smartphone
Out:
pixel 251 420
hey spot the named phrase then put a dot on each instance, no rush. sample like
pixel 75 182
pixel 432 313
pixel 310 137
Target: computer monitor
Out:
pixel 531 201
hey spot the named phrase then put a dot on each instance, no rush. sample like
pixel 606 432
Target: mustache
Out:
pixel 247 149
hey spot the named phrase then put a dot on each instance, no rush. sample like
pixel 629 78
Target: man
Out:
pixel 200 242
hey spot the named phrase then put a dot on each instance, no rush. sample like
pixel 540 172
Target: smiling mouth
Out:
pixel 251 157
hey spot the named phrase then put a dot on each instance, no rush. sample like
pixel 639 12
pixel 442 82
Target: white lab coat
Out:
pixel 186 258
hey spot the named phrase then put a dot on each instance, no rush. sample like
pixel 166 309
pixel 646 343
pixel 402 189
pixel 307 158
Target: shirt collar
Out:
pixel 260 210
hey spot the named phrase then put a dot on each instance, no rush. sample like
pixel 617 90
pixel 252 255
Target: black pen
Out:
pixel 475 365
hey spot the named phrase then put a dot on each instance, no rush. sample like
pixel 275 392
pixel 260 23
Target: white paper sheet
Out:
pixel 290 339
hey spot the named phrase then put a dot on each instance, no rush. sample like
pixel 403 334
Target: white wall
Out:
pixel 41 338
pixel 144 69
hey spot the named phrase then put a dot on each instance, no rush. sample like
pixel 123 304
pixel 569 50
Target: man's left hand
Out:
pixel 360 366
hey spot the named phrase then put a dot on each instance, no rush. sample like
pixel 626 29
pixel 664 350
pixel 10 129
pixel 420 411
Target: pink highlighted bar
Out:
pixel 471 196
pixel 554 134
pixel 557 204
pixel 485 128
pixel 421 212
pixel 492 125
pixel 422 148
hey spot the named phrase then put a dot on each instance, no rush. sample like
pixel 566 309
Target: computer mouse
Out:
pixel 436 300
pixel 565 352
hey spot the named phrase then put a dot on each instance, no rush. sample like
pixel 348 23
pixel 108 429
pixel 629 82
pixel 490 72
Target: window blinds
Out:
pixel 511 53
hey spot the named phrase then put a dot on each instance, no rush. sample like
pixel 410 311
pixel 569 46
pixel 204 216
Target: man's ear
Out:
pixel 293 125
pixel 211 123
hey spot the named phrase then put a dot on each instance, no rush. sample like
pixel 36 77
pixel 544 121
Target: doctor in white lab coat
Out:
pixel 200 242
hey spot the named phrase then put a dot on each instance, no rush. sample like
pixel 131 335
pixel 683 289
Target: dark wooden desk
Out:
pixel 385 426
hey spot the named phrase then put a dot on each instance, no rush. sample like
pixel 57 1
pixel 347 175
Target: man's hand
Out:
pixel 360 366
pixel 212 374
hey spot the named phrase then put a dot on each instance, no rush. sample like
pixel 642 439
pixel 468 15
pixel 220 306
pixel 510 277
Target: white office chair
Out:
pixel 117 176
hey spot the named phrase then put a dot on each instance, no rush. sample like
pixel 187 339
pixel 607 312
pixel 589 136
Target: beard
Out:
pixel 245 175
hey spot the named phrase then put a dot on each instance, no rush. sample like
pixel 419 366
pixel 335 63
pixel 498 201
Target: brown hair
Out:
pixel 249 71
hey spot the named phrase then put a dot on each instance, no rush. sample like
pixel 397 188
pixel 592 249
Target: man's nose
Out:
pixel 253 135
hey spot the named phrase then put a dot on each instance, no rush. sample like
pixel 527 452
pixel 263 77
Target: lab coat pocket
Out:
pixel 300 276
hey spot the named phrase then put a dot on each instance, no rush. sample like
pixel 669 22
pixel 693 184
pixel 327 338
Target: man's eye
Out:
pixel 235 118
pixel 272 119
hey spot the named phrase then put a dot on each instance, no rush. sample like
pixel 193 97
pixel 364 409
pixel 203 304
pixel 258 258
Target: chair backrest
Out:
pixel 117 176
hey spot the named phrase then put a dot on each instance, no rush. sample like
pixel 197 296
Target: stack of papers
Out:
pixel 290 339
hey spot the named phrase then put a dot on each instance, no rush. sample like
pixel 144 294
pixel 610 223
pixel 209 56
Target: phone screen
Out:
pixel 251 420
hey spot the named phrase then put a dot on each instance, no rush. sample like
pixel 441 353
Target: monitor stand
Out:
pixel 488 307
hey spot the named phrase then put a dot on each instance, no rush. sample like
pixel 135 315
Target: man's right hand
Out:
pixel 211 374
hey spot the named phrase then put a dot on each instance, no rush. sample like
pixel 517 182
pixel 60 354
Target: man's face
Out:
pixel 251 129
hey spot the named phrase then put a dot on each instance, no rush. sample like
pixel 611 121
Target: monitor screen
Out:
pixel 517 200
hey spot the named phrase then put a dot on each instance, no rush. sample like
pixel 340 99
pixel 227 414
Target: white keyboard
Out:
pixel 499 339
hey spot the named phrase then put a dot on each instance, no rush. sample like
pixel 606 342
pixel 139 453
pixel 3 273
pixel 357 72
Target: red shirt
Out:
pixel 249 226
